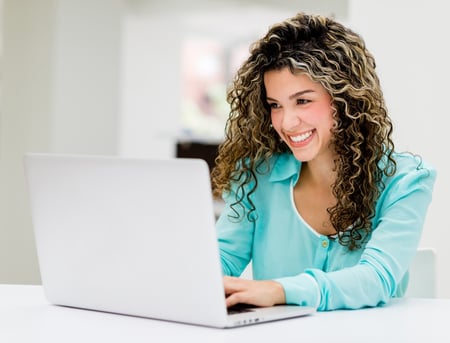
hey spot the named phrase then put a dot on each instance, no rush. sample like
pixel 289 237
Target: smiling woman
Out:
pixel 301 113
pixel 316 196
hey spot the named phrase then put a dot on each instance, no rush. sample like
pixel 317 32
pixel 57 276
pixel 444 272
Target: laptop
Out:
pixel 132 236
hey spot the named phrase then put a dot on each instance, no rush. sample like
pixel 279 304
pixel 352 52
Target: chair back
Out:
pixel 422 275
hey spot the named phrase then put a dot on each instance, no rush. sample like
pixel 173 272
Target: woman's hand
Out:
pixel 253 292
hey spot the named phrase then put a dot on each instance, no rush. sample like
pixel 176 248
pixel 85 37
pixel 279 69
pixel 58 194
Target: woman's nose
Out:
pixel 291 119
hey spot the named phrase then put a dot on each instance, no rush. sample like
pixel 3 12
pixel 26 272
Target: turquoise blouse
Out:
pixel 316 270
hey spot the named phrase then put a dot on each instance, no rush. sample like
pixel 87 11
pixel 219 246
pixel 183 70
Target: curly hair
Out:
pixel 337 58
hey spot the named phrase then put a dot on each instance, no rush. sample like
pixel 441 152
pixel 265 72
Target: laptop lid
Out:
pixel 129 236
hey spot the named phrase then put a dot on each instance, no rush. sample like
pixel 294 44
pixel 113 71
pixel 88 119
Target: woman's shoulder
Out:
pixel 407 162
pixel 411 169
pixel 414 179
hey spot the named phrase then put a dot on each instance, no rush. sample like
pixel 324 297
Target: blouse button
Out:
pixel 324 244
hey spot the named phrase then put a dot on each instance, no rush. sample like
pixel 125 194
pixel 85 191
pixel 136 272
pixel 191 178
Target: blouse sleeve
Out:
pixel 401 209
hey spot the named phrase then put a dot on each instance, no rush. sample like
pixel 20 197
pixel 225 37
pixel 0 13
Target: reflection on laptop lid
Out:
pixel 132 236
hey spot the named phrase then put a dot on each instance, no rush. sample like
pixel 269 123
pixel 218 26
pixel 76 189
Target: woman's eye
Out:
pixel 273 105
pixel 302 101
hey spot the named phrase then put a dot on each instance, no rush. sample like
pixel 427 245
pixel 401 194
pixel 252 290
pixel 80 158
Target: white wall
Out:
pixel 150 90
pixel 86 55
pixel 410 42
pixel 24 122
pixel 60 87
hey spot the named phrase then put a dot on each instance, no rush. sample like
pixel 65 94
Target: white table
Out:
pixel 26 316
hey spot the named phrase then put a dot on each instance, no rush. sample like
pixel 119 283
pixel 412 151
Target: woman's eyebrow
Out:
pixel 293 96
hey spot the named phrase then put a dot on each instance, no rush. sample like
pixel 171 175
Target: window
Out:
pixel 207 67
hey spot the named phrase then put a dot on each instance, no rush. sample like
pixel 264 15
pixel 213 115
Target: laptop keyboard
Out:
pixel 240 308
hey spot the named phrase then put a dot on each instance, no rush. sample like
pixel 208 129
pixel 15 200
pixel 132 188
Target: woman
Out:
pixel 315 194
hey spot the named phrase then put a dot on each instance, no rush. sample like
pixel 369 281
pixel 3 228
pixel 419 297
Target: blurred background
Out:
pixel 147 78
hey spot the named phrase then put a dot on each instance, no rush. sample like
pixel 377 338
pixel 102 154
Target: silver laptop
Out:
pixel 132 236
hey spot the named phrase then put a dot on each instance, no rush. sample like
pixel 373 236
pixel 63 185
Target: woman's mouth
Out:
pixel 300 138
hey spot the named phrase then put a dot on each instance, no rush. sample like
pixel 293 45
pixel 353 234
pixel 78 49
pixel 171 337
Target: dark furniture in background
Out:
pixel 205 151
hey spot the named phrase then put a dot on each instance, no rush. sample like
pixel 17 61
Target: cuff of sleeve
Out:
pixel 301 290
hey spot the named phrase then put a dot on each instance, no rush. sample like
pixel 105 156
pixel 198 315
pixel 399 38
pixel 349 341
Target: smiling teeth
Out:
pixel 301 138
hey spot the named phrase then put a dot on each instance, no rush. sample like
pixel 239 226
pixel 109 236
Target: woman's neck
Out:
pixel 320 175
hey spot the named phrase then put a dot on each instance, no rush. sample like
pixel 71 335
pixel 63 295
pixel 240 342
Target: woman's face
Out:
pixel 301 113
